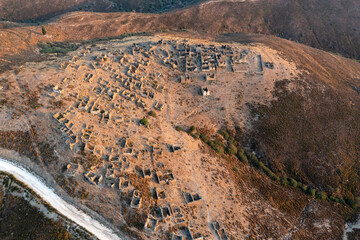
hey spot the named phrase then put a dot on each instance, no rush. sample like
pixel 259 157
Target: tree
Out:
pixel 43 30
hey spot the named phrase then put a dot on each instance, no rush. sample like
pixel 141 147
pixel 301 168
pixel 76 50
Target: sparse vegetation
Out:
pixel 248 157
pixel 60 48
pixel 312 131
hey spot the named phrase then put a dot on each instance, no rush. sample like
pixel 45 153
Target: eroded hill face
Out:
pixel 110 122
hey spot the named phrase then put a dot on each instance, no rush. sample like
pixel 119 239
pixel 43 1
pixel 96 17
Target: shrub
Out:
pixel 217 146
pixel 60 48
pixel 311 191
pixel 293 182
pixel 192 129
pixel 341 200
pixel 178 128
pixel 253 159
pixel 231 149
pixel 266 170
pixel 196 135
pixel 144 122
pixel 350 201
pixel 303 187
pixel 152 114
pixel 235 169
pixel 321 195
pixel 261 165
pixel 204 138
pixel 241 156
pixel 274 177
pixel 224 133
pixel 284 181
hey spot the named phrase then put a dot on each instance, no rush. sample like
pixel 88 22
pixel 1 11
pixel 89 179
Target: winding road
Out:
pixel 66 209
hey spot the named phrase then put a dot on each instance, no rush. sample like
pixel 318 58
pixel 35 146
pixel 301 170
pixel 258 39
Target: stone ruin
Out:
pixel 204 91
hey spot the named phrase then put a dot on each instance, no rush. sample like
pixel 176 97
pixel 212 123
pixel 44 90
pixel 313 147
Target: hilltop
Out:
pixel 214 119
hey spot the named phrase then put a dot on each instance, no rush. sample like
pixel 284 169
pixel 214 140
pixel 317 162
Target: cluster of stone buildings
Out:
pixel 110 92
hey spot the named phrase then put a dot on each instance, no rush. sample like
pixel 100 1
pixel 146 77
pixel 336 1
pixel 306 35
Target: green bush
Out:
pixel 217 146
pixel 144 121
pixel 204 138
pixel 58 47
pixel 341 200
pixel 192 129
pixel 284 181
pixel 262 165
pixel 321 195
pixel 224 133
pixel 266 170
pixel 274 177
pixel 241 156
pixel 311 191
pixel 350 202
pixel 253 159
pixel 303 187
pixel 196 135
pixel 231 149
pixel 293 182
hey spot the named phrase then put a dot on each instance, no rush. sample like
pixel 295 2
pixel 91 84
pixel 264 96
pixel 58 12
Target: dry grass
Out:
pixel 23 221
pixel 21 142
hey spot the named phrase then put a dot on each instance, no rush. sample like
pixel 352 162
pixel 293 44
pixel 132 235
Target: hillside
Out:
pixel 187 121
pixel 329 25
pixel 38 10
